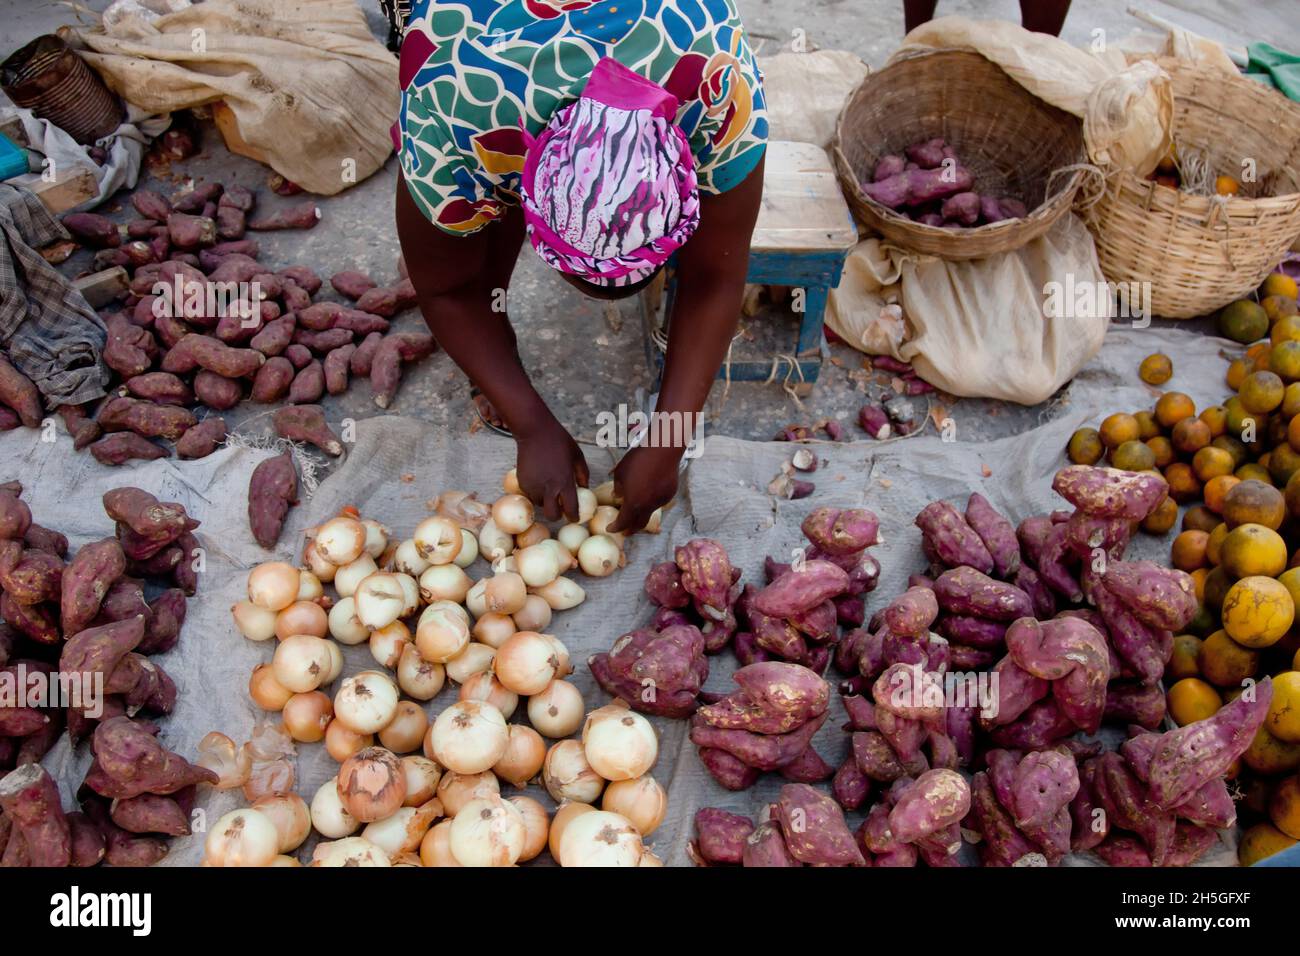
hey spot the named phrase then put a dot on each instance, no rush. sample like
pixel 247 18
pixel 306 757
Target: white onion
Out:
pixel 307 715
pixel 605 494
pixel 302 617
pixel 474 659
pixel 273 585
pixel 422 776
pixel 317 565
pixel 372 784
pixel 494 629
pixel 572 536
pixel 242 838
pixel 564 558
pixel 641 799
pixel 407 728
pixel 309 586
pixel 348 577
pixel 410 593
pixel 379 600
pixel 301 663
pixel 561 594
pixel 557 711
pixel 344 625
pixel 649 859
pixel 387 644
pixel 525 663
pixel 512 513
pixel 341 742
pixel 442 632
pixel 469 736
pixel 350 852
pixel 435 848
pixel 504 593
pixel 376 537
pixel 437 540
pixel 457 789
pixel 476 598
pixel 468 549
pixel 336 663
pixel 537 564
pixel 564 814
pixel 654 523
pixel 403 831
pixel 567 774
pixel 620 743
pixel 417 677
pixel 508 563
pixel 487 832
pixel 563 663
pixel 600 556
pixel 600 839
pixel 407 559
pixel 282 861
pixel 366 702
pixel 537 826
pixel 534 534
pixel 525 753
pixel 484 687
pixel 341 540
pixel 255 623
pixel 444 582
pixel 535 615
pixel 510 482
pixel 267 692
pixel 328 814
pixel 600 522
pixel 587 504
pixel 289 815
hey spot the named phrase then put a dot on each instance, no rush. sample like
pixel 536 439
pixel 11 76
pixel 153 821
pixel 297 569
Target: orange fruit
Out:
pixel 1233 446
pixel 1290 406
pixel 1260 842
pixel 1198 581
pixel 1216 418
pixel 1217 583
pixel 1284 808
pixel 1199 518
pixel 1253 471
pixel 1277 308
pixel 1238 369
pixel 1269 756
pixel 1253 502
pixel 1187 553
pixel 1279 283
pixel 1286 327
pixel 1190 436
pixel 1182 663
pixel 1225 663
pixel 1210 462
pixel 1192 699
pixel 1183 483
pixel 1257 611
pixel 1283 720
pixel 1085 447
pixel 1156 369
pixel 1261 392
pixel 1172 407
pixel 1284 360
pixel 1214 544
pixel 1133 456
pixel 1148 427
pixel 1226 186
pixel 1162 449
pixel 1283 462
pixel 1117 429
pixel 1250 550
pixel 1216 486
pixel 1162 518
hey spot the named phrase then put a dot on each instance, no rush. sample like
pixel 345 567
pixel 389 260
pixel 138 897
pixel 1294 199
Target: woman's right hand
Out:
pixel 549 468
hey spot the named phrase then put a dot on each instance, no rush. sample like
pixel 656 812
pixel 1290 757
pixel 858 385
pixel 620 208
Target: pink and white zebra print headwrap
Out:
pixel 609 188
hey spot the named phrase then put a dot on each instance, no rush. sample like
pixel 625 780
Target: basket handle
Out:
pixel 1091 194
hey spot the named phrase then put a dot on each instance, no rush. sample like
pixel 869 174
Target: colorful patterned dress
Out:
pixel 475 73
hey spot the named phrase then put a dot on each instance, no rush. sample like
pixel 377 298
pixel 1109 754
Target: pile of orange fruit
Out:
pixel 1236 469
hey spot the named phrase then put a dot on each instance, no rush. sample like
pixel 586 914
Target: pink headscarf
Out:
pixel 609 188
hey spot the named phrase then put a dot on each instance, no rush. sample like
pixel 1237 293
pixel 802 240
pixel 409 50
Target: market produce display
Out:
pixel 81 627
pixel 929 184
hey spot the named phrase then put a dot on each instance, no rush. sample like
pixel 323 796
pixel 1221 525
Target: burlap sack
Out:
pixel 310 87
pixel 805 92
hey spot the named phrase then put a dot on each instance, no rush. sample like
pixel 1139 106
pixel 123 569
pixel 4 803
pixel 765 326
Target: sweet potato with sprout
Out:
pixel 130 761
pixel 1109 492
pixel 86 580
pixel 799 590
pixel 720 836
pixel 272 489
pixel 761 751
pixel 1161 598
pixel 30 799
pixel 306 423
pixel 814 828
pixel 302 216
pixel 729 771
pixel 841 532
pixel 945 532
pixel 202 439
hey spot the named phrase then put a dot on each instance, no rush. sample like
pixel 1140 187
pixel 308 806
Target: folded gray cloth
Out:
pixel 49 331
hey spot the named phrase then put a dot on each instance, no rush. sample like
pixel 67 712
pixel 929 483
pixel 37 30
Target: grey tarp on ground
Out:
pixel 726 498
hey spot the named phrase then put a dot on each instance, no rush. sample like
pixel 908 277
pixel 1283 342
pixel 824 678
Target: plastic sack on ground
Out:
pixel 980 328
pixel 309 86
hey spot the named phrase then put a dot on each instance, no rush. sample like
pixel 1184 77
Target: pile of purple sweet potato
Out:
pixel 929 184
pixel 82 629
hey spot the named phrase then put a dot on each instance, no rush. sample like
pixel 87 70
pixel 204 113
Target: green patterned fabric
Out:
pixel 476 73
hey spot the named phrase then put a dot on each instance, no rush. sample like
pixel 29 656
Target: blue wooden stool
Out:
pixel 803 235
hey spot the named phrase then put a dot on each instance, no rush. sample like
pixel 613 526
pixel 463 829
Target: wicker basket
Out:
pixel 1009 139
pixel 1199 252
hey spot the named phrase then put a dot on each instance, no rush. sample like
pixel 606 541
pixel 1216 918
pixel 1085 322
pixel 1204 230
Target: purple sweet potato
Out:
pixel 275 335
pixel 319 317
pixel 886 166
pixel 1002 843
pixel 766 847
pixel 839 532
pixel 162 388
pixel 916 187
pixel 761 751
pixel 912 613
pixel 875 758
pixel 272 380
pixel 961 209
pixel 92 230
pixel 272 489
pixel 997 533
pixel 202 351
pixel 336 369
pixel 39 538
pixel 663 584
pixel 19 393
pixel 730 772
pixel 30 799
pixel 203 439
pixel 87 842
pixel 301 276
pixel 86 580
pixel 1109 492
pixel 706 573
pixel 801 590
pixel 927 154
pixel 1017 691
pixel 1043 725
pixel 1161 598
pixel 321 343
pixel 1072 654
pixel 190 232
pixel 129 349
pixel 129 761
pixel 302 216
pixel 975 632
pixel 308 385
pixel 1143 649
pixel 1135 703
pixel 150 813
pixel 952 540
pixel 151 205
pixel 37 621
pixel 216 391
pixel 363 358
pixel 352 284
pixel 386 365
pixel 307 423
pixel 814 828
pixel 850 786
pixel 720 836
pixel 163 628
pixel 934 801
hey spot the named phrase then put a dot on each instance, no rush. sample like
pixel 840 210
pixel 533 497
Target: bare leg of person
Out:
pixel 916 12
pixel 1044 16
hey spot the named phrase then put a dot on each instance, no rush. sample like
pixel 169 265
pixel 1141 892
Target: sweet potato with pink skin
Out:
pixel 1043 785
pixel 907 690
pixel 298 354
pixel 19 393
pixel 814 828
pixel 86 580
pixel 1135 703
pixel 145 514
pixel 760 751
pixel 1088 826
pixel 1032 534
pixel 1053 649
pixel 886 166
pixel 161 388
pixel 927 154
pixel 1053 566
pixel 1043 725
pixel 997 533
pixel 787 689
pixel 308 385
pixel 1161 598
pixel 379 301
pixel 1040 595
pixel 952 540
pixel 163 625
pixel 302 276
pixel 21 721
pixel 850 611
pixel 150 813
pixel 272 489
pixel 87 843
pixel 961 209
pixel 185 575
pixel 850 786
pixel 319 317
pixel 92 230
pixel 37 621
pixel 15 517
pixel 1086 534
pixel 1109 492
pixel 1129 805
pixel 151 205
pixel 800 590
pixel 1002 843
pixel 30 799
pixel 130 761
pixel 977 632
pixel 706 572
pixel 765 847
pixel 122 848
pixel 363 358
pixel 915 187
pixel 720 836
pixel 875 758
pixel 905 736
pixel 843 532
pixel 934 801
pixel 294 297
pixel 152 421
pixel 386 365
pixel 1210 805
pixel 817 623
pixel 336 369
pixel 195 351
pixel 808 767
pixel 306 423
pixel 964 590
pixel 655 672
pixel 129 350
pixel 352 284
pixel 747 651
pixel 202 439
pixel 303 216
pixel 912 613
pixel 1143 649
pixel 125 599
pixel 663 585
pixel 275 336
pixel 29 576
pixel 1017 691
pixel 730 772
pixel 273 380
pixel 321 343
pixel 39 538
pixel 190 232
pixel 360 323
pixel 192 200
